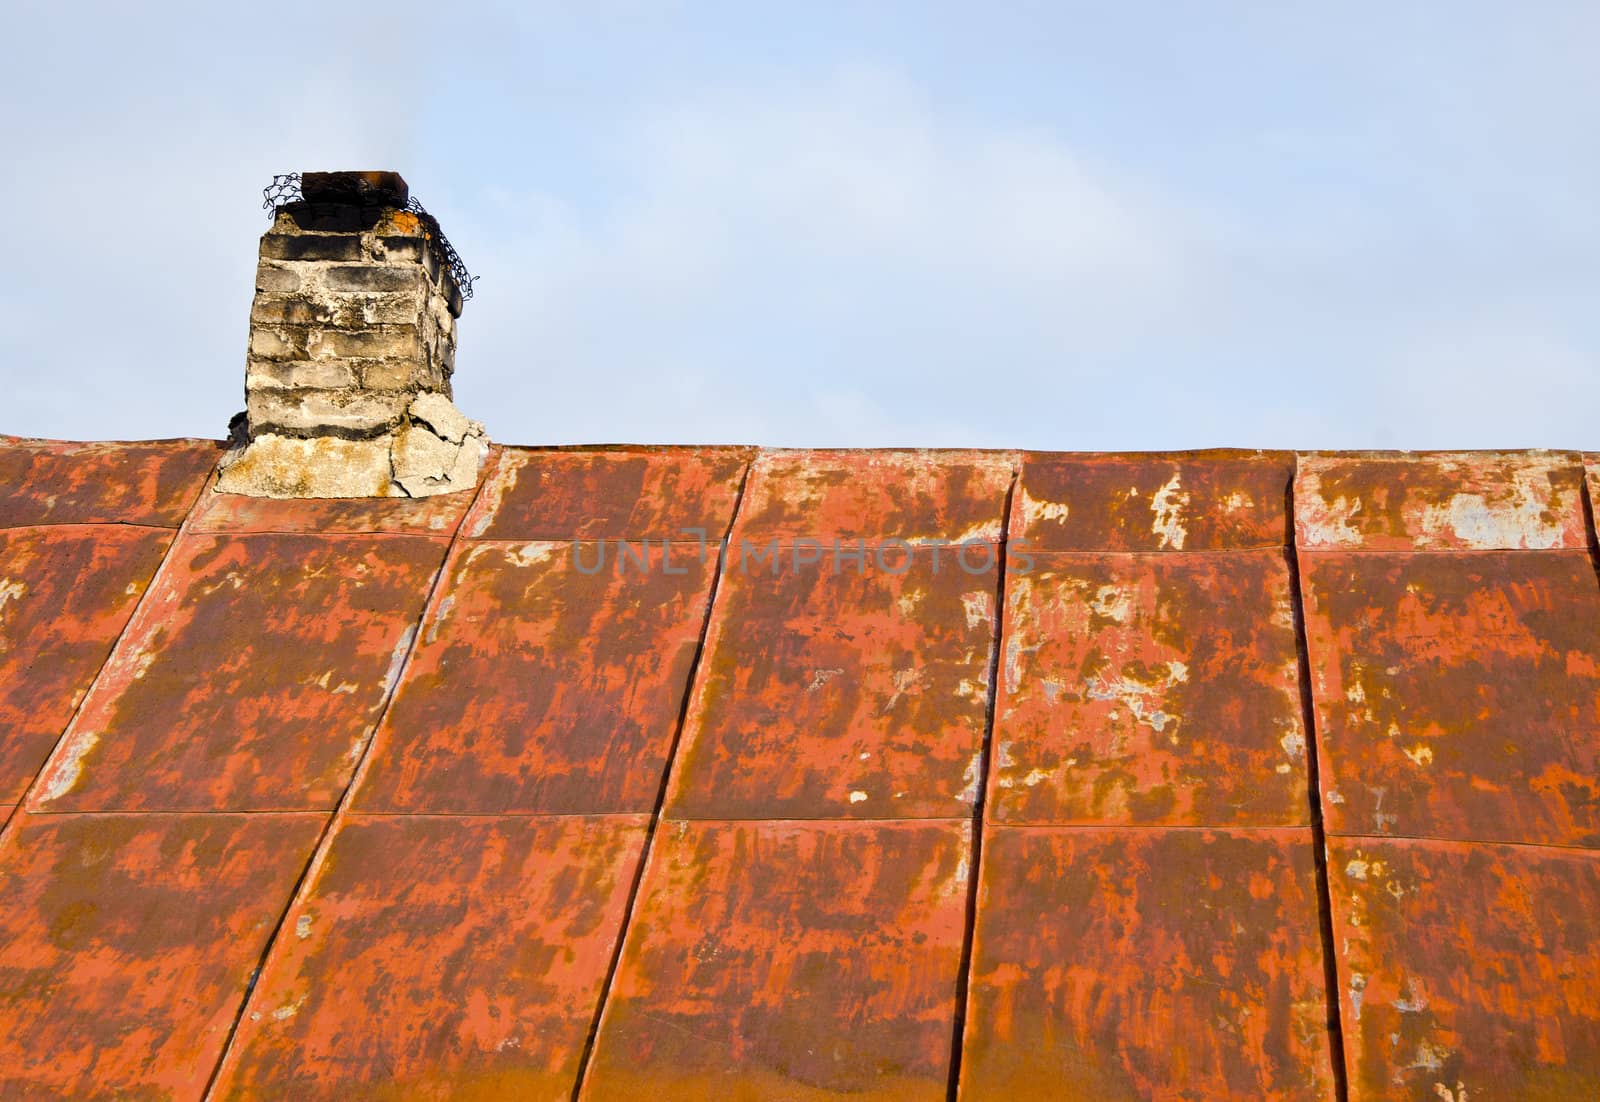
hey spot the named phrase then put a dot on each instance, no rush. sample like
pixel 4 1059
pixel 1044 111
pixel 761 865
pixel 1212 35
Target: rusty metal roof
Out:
pixel 724 773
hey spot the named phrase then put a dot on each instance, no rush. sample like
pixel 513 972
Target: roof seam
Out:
pixel 1424 839
pixel 330 830
pixel 979 804
pixel 20 812
pixel 1319 842
pixel 586 1056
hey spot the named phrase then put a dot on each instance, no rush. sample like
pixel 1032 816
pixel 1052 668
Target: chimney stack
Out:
pixel 352 345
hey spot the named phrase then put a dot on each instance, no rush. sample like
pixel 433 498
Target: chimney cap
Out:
pixel 365 189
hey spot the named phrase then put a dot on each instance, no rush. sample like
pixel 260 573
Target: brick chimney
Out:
pixel 352 345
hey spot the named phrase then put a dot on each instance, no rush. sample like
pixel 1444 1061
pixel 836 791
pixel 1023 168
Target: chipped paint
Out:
pixel 1176 709
pixel 59 482
pixel 1174 501
pixel 1455 693
pixel 69 594
pixel 1473 963
pixel 768 736
pixel 67 766
pixel 1437 501
pixel 256 732
pixel 1168 503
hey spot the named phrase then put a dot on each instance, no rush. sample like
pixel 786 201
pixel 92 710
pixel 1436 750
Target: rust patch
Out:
pixel 250 679
pixel 1457 696
pixel 1439 501
pixel 918 496
pixel 1467 971
pixel 57 482
pixel 65 595
pixel 788 960
pixel 621 493
pixel 828 694
pixel 537 686
pixel 1155 501
pixel 440 957
pixel 129 942
pixel 1150 689
pixel 1127 964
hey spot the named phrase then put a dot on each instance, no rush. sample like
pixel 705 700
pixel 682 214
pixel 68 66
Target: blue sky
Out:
pixel 1030 225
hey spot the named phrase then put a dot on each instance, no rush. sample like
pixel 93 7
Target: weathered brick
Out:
pixel 396 249
pixel 394 374
pixel 308 412
pixel 353 310
pixel 281 343
pixel 296 374
pixel 271 279
pixel 279 310
pixel 324 218
pixel 369 189
pixel 377 341
pixel 311 246
pixel 371 278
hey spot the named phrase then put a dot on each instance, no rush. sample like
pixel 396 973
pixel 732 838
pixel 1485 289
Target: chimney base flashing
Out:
pixel 415 459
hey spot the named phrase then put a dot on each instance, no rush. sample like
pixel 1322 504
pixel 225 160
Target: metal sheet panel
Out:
pixel 1457 695
pixel 788 960
pixel 59 482
pixel 917 496
pixel 1467 971
pixel 1155 501
pixel 66 593
pixel 1150 689
pixel 441 957
pixel 539 686
pixel 127 943
pixel 614 493
pixel 1146 963
pixel 828 692
pixel 1440 501
pixel 251 677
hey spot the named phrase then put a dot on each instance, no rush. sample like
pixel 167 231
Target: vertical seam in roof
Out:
pixel 975 865
pixel 1590 541
pixel 587 1054
pixel 1319 841
pixel 330 829
pixel 17 813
